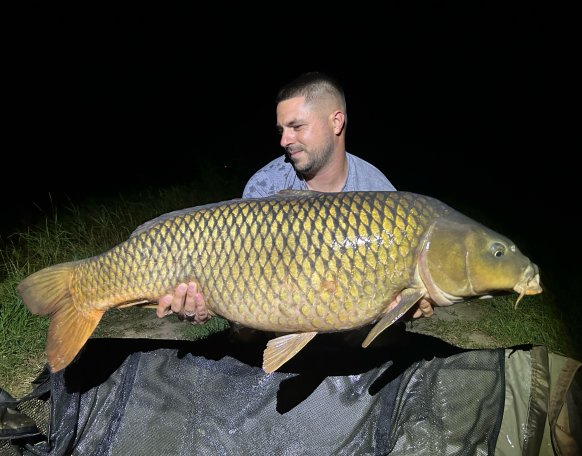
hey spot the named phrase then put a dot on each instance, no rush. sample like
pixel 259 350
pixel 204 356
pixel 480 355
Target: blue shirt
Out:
pixel 279 174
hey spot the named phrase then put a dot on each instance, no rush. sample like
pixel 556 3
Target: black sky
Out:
pixel 464 101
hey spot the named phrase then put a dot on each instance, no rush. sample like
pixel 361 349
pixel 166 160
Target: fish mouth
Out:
pixel 529 284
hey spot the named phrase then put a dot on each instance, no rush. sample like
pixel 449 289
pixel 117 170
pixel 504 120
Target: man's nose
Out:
pixel 286 138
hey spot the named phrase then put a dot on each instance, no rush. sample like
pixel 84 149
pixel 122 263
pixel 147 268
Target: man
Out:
pixel 418 396
pixel 312 120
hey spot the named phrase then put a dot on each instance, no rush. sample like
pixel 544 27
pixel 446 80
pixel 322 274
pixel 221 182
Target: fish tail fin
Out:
pixel 47 292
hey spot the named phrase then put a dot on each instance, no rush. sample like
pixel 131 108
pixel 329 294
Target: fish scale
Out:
pixel 296 262
pixel 243 250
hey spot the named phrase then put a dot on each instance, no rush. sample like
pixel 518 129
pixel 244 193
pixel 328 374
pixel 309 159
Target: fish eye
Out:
pixel 498 250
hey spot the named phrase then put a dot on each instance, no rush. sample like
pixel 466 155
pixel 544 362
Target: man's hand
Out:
pixel 424 309
pixel 187 302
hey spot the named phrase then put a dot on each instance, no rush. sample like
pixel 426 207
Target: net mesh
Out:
pixel 212 398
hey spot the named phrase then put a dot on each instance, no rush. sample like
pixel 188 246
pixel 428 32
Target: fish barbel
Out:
pixel 298 262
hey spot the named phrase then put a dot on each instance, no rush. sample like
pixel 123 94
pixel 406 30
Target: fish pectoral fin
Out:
pixel 282 349
pixel 408 298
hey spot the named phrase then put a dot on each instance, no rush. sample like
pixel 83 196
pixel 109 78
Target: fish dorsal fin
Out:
pixel 409 297
pixel 282 349
pixel 294 193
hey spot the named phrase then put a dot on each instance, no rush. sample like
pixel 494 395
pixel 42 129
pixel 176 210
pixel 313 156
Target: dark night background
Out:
pixel 464 101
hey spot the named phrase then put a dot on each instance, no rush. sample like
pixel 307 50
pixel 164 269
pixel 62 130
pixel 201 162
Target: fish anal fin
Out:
pixel 283 348
pixel 68 331
pixel 408 298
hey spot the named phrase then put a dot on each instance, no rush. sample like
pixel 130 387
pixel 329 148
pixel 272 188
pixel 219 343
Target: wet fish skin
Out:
pixel 296 262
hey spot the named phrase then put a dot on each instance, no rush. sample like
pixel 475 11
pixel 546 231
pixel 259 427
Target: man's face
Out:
pixel 306 134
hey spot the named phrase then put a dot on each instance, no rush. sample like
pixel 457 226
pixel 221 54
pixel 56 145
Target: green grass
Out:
pixel 536 320
pixel 22 340
pixel 84 229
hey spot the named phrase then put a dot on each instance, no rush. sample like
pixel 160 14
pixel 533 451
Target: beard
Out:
pixel 312 160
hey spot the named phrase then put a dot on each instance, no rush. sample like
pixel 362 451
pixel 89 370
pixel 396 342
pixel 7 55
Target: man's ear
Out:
pixel 338 119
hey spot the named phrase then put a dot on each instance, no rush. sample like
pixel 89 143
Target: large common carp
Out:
pixel 297 262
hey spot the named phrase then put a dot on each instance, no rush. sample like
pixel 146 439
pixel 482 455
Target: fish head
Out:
pixel 462 259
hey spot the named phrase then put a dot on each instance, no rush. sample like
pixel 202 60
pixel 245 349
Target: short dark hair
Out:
pixel 312 85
